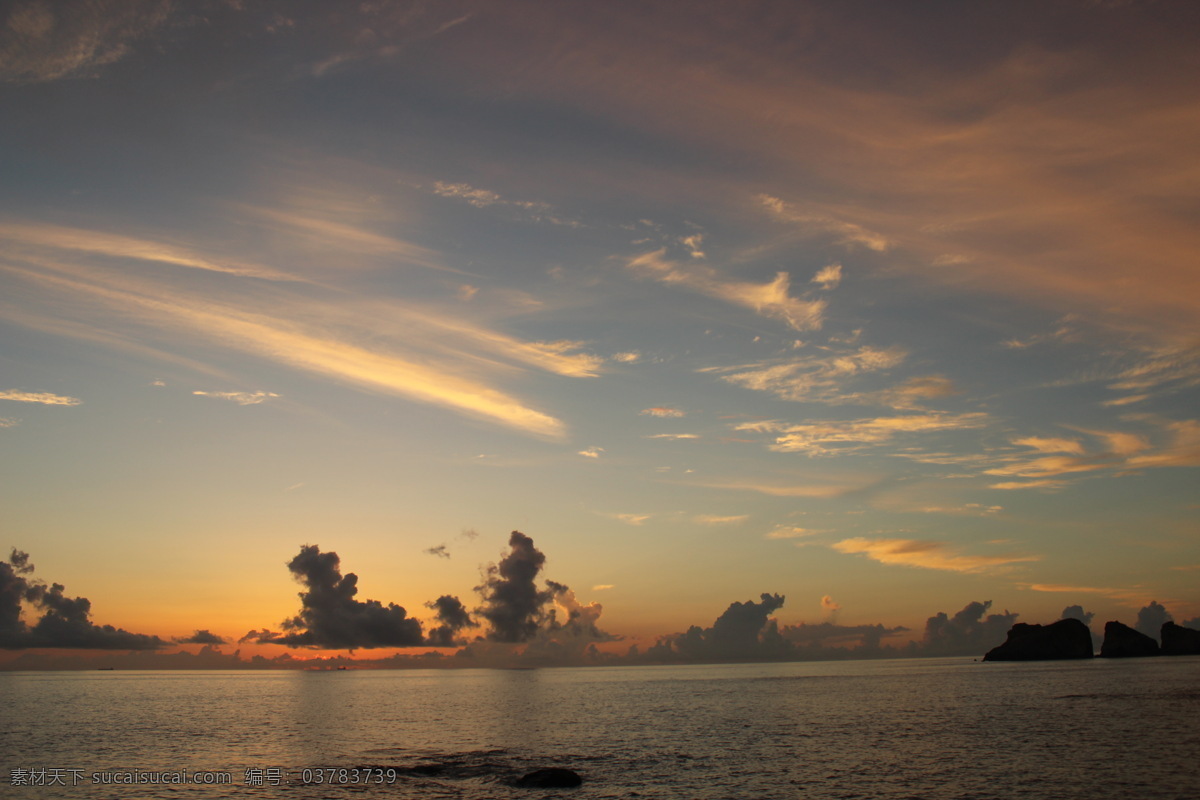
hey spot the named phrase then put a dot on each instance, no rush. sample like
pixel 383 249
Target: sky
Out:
pixel 845 314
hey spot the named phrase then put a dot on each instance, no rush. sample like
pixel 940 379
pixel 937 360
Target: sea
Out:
pixel 910 728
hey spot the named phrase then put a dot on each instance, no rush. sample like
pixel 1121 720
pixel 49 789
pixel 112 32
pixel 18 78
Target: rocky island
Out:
pixel 1122 641
pixel 1067 638
pixel 1179 641
pixel 1070 638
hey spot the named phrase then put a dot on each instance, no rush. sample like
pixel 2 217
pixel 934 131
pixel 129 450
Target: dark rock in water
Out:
pixel 427 769
pixel 550 778
pixel 1179 641
pixel 1067 638
pixel 1122 641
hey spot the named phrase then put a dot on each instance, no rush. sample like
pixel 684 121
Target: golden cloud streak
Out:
pixel 339 236
pixel 42 398
pixel 1122 451
pixel 815 438
pixel 766 299
pixel 117 246
pixel 1133 598
pixel 1069 184
pixel 776 490
pixel 925 554
pixel 323 352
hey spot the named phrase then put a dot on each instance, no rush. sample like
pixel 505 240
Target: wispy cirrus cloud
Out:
pixel 241 398
pixel 817 223
pixel 663 411
pixel 439 330
pixel 966 509
pixel 341 237
pixel 1125 401
pixel 1051 445
pixel 41 398
pixel 771 299
pixel 909 395
pixel 1039 484
pixel 57 238
pixel 836 377
pixel 926 555
pixel 1166 365
pixel 1148 369
pixel 1059 459
pixel 694 245
pixel 779 489
pixel 1134 598
pixel 1024 169
pixel 47 41
pixel 627 517
pixel 716 519
pixel 829 276
pixel 345 342
pixel 1183 449
pixel 1066 588
pixel 845 436
pixel 976 199
pixel 479 198
pixel 791 532
pixel 1065 332
pixel 531 210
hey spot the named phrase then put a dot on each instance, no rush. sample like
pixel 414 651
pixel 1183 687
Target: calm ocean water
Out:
pixel 929 728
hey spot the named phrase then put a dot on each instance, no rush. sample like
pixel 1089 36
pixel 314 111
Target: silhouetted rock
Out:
pixel 550 778
pixel 1067 638
pixel 1122 641
pixel 1179 641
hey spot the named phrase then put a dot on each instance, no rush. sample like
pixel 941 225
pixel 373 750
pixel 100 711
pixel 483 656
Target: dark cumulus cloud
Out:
pixel 1151 618
pixel 331 618
pixel 1077 612
pixel 512 602
pixel 202 636
pixel 65 621
pixel 518 610
pixel 744 630
pixel 452 617
pixel 968 632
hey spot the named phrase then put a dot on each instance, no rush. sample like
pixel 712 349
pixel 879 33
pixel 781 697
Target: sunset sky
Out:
pixel 883 307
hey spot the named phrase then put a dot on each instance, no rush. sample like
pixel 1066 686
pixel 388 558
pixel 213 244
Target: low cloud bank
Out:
pixel 203 636
pixel 65 621
pixel 968 632
pixel 521 618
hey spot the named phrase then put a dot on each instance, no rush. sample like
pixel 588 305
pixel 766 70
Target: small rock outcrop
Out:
pixel 1179 641
pixel 1122 641
pixel 1067 638
pixel 550 778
